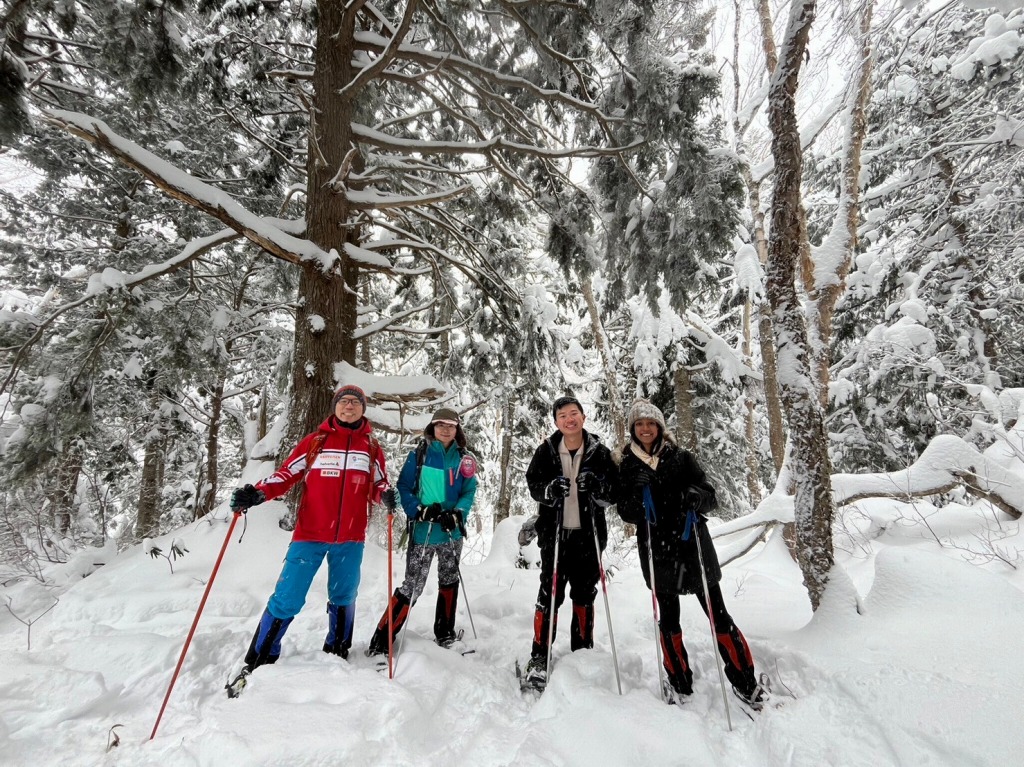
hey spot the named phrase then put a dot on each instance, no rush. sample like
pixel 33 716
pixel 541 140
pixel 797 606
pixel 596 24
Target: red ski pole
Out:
pixel 195 623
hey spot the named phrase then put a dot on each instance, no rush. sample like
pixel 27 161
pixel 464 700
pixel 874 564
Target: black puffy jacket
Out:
pixel 546 465
pixel 676 563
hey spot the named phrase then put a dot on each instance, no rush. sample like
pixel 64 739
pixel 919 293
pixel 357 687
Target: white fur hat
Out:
pixel 643 408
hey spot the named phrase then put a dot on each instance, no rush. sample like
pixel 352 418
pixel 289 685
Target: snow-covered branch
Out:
pixel 184 187
pixel 947 463
pixel 111 279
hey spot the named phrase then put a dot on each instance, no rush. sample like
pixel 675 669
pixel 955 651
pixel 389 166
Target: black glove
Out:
pixel 448 521
pixel 588 482
pixel 645 475
pixel 557 488
pixel 431 513
pixel 244 498
pixel 698 499
pixel 390 499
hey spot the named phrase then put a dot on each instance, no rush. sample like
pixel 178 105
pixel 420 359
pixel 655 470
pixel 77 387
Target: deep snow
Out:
pixel 928 672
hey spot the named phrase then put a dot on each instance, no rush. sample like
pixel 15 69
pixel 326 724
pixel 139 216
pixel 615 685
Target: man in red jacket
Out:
pixel 343 468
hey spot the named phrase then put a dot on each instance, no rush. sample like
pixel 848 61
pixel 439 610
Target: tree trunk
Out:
pixel 62 499
pixel 209 495
pixel 749 437
pixel 615 407
pixel 766 335
pixel 147 522
pixel 824 297
pixel 771 56
pixel 328 299
pixel 503 507
pixel 809 459
pixel 686 431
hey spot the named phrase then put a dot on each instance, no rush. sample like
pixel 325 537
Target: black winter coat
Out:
pixel 676 562
pixel 547 465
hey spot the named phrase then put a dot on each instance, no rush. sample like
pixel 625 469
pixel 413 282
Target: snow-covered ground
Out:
pixel 913 660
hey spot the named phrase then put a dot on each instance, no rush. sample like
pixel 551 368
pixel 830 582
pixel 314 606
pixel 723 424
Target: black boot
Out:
pixel 444 614
pixel 398 609
pixel 341 619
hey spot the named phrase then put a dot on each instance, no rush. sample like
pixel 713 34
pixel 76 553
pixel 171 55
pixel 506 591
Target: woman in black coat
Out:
pixel 652 464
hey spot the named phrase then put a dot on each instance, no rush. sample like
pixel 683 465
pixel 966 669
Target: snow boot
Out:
pixel 266 642
pixel 581 632
pixel 444 614
pixel 677 663
pixel 739 663
pixel 339 629
pixel 398 608
pixel 540 633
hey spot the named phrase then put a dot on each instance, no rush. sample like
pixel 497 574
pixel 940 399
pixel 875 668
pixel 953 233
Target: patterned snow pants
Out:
pixel 417 566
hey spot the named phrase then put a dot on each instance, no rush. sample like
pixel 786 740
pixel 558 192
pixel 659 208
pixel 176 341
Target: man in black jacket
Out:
pixel 571 476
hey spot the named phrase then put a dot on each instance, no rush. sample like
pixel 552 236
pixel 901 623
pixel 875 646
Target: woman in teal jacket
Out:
pixel 437 486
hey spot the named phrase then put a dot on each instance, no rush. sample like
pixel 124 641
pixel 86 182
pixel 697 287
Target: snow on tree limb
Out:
pixel 387 322
pixel 371 199
pixel 380 139
pixel 190 252
pixel 947 463
pixel 184 187
pixel 390 388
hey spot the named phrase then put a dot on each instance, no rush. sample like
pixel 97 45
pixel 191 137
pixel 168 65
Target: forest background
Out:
pixel 796 227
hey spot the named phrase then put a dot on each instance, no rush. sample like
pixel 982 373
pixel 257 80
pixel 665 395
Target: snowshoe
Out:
pixel 535 677
pixel 758 697
pixel 456 643
pixel 235 686
pixel 449 640
pixel 671 695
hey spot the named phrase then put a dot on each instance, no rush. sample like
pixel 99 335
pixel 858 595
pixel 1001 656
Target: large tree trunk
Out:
pixel 766 340
pixel 809 460
pixel 327 316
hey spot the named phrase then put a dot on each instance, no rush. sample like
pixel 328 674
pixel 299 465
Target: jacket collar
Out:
pixel 330 426
pixel 590 443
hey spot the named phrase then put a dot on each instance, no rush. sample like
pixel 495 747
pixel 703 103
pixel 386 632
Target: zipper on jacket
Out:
pixel 341 495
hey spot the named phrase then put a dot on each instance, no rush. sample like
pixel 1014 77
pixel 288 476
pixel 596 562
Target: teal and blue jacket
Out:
pixel 439 481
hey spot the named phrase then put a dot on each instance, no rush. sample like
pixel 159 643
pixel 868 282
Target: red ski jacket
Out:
pixel 347 475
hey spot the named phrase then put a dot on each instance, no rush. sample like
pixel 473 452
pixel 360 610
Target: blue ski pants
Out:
pixel 300 566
